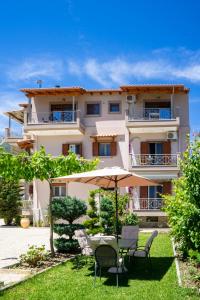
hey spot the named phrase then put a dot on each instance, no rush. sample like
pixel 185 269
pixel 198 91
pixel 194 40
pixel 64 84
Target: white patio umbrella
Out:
pixel 109 178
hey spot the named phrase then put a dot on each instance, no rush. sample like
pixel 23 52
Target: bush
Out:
pixel 69 209
pixel 107 215
pixel 92 224
pixel 10 200
pixel 66 245
pixel 131 219
pixel 35 256
pixel 195 255
pixel 183 207
pixel 67 229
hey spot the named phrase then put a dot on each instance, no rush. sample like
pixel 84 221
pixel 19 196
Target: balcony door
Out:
pixel 154 197
pixel 157 110
pixel 156 153
pixel 63 112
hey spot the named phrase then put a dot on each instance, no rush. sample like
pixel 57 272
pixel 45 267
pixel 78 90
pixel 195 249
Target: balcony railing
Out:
pixel 14 134
pixel 154 159
pixel 150 203
pixel 53 117
pixel 151 114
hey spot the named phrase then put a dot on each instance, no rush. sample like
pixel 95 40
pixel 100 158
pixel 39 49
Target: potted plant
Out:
pixel 25 220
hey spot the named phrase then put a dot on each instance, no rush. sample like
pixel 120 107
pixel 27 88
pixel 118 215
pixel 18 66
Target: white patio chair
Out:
pixel 107 257
pixel 84 242
pixel 144 251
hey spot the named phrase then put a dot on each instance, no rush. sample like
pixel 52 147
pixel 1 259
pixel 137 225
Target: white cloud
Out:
pixel 35 68
pixel 118 71
pixel 191 72
pixel 9 101
pixel 162 64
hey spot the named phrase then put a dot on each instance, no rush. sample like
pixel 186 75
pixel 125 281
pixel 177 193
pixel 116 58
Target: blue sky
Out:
pixel 97 44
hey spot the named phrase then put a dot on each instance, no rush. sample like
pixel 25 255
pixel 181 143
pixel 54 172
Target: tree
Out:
pixel 69 209
pixel 183 207
pixel 93 225
pixel 107 215
pixel 10 200
pixel 42 166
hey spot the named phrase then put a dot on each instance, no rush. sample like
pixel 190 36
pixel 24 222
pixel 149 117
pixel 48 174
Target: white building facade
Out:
pixel 141 128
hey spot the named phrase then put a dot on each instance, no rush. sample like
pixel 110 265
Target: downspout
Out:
pixel 73 108
pixel 172 103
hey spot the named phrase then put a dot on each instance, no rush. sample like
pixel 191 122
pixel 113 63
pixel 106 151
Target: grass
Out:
pixel 75 281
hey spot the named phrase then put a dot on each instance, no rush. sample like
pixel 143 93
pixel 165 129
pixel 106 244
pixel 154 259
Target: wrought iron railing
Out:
pixel 154 159
pixel 151 114
pixel 150 203
pixel 52 117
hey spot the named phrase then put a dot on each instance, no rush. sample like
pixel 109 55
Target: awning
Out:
pixel 17 115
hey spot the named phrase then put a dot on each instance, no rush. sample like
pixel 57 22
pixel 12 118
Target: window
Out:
pixel 104 149
pixel 93 109
pixel 114 107
pixel 59 191
pixel 155 191
pixel 75 148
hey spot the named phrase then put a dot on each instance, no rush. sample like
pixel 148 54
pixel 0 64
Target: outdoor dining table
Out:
pixel 98 240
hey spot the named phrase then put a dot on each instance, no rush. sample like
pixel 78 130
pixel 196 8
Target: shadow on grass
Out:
pixel 138 269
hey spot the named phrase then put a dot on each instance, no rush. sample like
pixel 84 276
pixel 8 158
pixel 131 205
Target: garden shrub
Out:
pixel 107 215
pixel 10 200
pixel 68 209
pixel 183 207
pixel 93 225
pixel 64 245
pixel 35 256
pixel 131 219
pixel 104 221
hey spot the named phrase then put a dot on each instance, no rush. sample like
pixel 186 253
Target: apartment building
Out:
pixel 141 128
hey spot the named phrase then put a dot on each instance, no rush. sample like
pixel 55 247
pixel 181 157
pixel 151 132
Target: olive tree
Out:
pixel 42 166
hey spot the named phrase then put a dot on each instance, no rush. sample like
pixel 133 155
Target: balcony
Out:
pixel 54 117
pixel 54 123
pixel 12 136
pixel 151 120
pixel 154 160
pixel 150 203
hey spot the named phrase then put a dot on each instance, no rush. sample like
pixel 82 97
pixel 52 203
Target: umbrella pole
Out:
pixel 116 206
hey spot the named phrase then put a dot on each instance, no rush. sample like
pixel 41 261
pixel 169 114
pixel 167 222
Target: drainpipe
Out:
pixel 172 103
pixel 73 108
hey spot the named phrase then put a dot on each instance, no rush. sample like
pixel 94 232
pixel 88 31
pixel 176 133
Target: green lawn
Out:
pixel 69 282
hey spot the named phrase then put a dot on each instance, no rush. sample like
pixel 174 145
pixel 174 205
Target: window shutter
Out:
pixel 80 149
pixel 144 148
pixel 113 148
pixel 167 147
pixel 167 187
pixel 30 189
pixel 95 148
pixel 143 196
pixel 144 192
pixel 65 149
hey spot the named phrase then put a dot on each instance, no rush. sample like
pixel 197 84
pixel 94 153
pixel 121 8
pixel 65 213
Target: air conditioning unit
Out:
pixel 172 135
pixel 130 99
